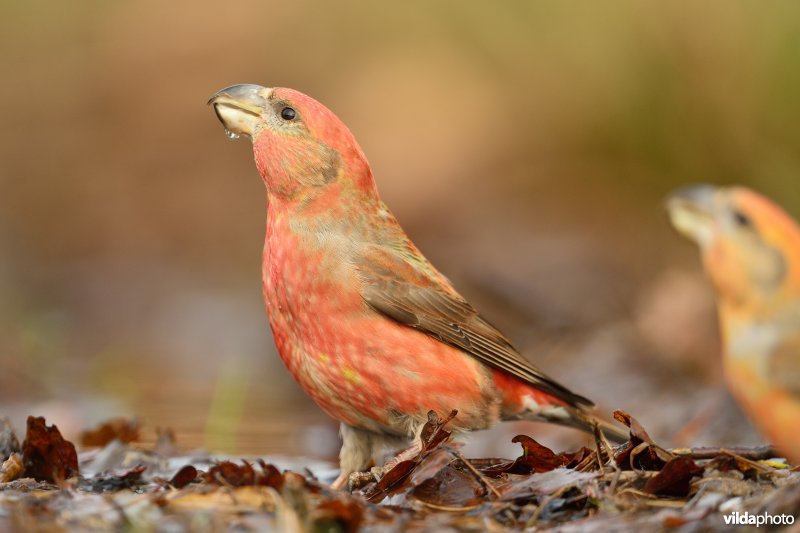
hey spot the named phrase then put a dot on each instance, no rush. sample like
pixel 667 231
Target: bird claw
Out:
pixel 378 472
pixel 356 480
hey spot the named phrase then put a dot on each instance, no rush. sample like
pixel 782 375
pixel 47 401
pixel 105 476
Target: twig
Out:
pixel 756 466
pixel 757 453
pixel 588 461
pixel 612 487
pixel 557 494
pixel 480 477
pixel 636 492
pixel 672 504
pixel 450 509
pixel 701 491
pixel 598 445
pixel 601 437
pixel 642 446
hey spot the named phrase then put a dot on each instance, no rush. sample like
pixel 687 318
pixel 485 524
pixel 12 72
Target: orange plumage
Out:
pixel 751 252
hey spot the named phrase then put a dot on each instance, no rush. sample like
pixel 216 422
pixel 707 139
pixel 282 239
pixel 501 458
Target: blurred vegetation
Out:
pixel 526 147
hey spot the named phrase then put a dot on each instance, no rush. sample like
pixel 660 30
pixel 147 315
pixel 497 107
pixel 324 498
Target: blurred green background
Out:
pixel 525 146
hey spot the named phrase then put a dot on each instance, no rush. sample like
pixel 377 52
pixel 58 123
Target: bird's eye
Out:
pixel 742 219
pixel 287 113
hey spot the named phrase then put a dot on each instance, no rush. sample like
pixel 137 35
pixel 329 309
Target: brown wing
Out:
pixel 419 297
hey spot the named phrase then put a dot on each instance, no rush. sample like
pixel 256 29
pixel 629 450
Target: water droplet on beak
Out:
pixel 231 135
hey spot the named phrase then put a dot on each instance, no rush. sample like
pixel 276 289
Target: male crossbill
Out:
pixel 751 252
pixel 366 325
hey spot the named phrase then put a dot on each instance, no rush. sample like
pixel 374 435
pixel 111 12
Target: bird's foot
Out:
pixel 355 480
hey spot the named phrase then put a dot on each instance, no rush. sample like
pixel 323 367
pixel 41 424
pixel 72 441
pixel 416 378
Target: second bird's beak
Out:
pixel 239 108
pixel 691 211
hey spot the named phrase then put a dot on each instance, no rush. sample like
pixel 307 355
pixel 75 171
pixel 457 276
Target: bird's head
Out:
pixel 300 146
pixel 750 246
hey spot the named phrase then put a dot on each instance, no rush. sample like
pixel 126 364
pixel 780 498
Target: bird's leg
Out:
pixel 355 455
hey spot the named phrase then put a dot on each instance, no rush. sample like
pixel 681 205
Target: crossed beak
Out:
pixel 239 108
pixel 691 211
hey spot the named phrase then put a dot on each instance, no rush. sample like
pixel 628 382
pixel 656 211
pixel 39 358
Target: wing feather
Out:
pixel 415 298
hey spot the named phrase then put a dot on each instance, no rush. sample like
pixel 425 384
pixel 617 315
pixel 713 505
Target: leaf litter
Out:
pixel 46 484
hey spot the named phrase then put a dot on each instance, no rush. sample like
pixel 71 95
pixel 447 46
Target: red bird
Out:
pixel 366 325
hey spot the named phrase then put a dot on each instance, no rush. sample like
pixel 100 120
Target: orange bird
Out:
pixel 751 252
pixel 363 321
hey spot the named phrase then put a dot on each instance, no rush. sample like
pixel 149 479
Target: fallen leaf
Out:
pixel 236 475
pixel 450 489
pixel 47 456
pixel 640 452
pixel 544 484
pixel 536 458
pixel 183 477
pixel 437 460
pixel 343 515
pixel 122 429
pixel 674 479
pixel 433 432
pixel 636 429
